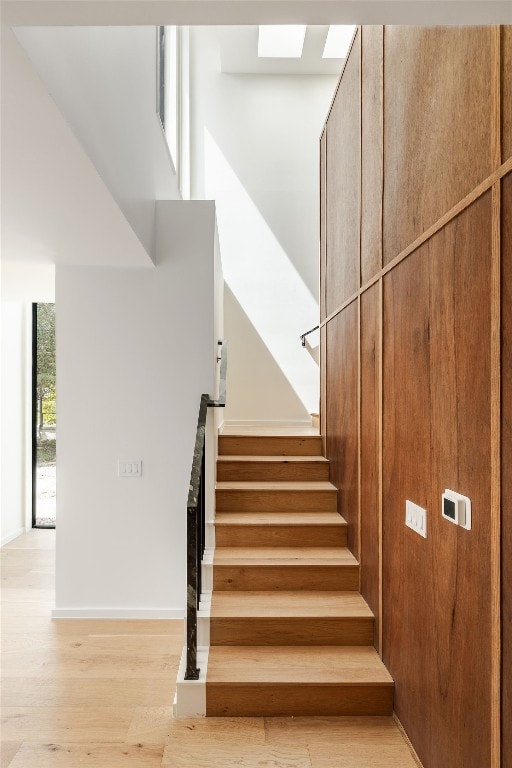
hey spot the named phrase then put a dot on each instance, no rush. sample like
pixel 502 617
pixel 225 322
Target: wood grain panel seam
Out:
pixel 359 374
pixel 496 636
pixel 380 461
pixel 380 382
pixel 496 96
pixel 457 209
pixel 381 249
pixel 359 277
pixel 496 479
pixel 360 266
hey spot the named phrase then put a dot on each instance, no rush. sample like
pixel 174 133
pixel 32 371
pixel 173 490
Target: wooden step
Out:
pixel 272 468
pixel 285 568
pixel 270 445
pixel 314 496
pixel 290 618
pixel 262 681
pixel 280 529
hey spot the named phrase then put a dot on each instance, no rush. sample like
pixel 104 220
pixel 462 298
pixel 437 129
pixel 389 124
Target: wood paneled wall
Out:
pixel 416 273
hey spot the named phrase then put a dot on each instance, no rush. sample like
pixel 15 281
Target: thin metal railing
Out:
pixel 303 335
pixel 196 519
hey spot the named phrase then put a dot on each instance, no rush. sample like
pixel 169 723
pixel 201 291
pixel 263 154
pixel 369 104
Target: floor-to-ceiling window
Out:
pixel 44 416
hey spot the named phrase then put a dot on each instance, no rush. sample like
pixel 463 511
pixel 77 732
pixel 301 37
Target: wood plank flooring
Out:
pixel 114 716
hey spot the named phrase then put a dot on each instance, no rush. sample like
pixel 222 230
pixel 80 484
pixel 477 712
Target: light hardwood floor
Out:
pixel 98 694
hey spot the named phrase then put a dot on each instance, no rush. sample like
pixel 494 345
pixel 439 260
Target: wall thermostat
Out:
pixel 456 508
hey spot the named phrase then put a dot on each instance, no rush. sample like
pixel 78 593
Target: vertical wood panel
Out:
pixel 506 93
pixel 438 119
pixel 437 434
pixel 495 86
pixel 506 477
pixel 344 186
pixel 323 189
pixel 323 387
pixel 495 476
pixel 406 644
pixel 342 446
pixel 372 41
pixel 370 454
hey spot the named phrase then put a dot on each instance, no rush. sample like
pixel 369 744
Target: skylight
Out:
pixel 281 41
pixel 338 41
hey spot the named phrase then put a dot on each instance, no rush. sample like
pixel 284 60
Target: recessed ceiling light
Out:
pixel 281 41
pixel 338 41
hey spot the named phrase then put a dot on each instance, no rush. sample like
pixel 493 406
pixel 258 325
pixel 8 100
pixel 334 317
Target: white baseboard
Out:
pixel 267 423
pixel 12 536
pixel 114 613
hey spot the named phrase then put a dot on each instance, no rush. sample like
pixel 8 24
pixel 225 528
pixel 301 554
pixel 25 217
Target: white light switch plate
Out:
pixel 129 468
pixel 416 518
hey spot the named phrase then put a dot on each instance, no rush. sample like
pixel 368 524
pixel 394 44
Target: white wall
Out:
pixel 103 80
pixel 255 151
pixel 13 404
pixel 135 350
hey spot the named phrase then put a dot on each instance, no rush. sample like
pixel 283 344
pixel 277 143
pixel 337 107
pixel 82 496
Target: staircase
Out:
pixel 289 632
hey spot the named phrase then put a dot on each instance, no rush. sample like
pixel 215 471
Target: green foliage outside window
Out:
pixel 46 379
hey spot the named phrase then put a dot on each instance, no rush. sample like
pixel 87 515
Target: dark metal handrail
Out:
pixel 303 335
pixel 196 521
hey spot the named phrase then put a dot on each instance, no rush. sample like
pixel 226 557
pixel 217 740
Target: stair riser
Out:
pixel 232 445
pixel 274 501
pixel 282 700
pixel 286 577
pixel 281 536
pixel 255 471
pixel 291 631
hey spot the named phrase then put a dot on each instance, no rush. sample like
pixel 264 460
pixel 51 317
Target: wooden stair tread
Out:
pixel 261 443
pixel 275 485
pixel 289 604
pixel 273 459
pixel 296 665
pixel 261 556
pixel 234 431
pixel 279 518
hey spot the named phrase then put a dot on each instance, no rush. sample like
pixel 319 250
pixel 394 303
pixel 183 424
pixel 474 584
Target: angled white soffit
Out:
pixel 220 12
pixel 103 81
pixel 55 207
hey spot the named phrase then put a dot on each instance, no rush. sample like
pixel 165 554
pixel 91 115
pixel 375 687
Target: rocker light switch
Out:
pixel 416 518
pixel 129 468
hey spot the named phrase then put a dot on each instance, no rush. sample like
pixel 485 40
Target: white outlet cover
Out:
pixel 416 518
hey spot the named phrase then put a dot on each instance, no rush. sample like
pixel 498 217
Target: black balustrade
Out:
pixel 196 519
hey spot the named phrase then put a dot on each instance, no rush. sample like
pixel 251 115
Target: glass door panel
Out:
pixel 44 417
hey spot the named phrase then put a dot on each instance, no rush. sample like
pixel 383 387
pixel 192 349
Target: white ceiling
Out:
pixel 220 12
